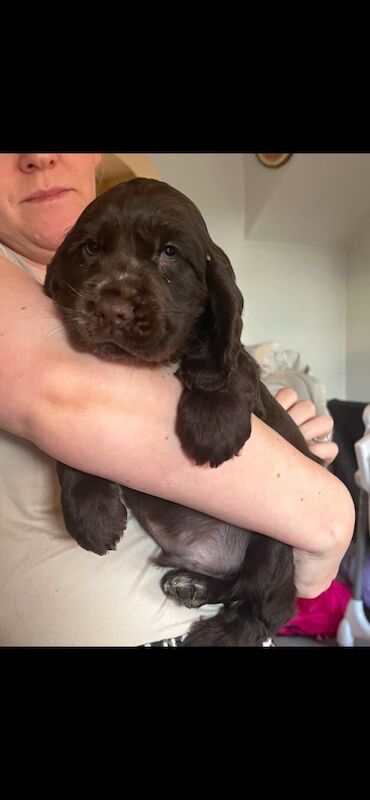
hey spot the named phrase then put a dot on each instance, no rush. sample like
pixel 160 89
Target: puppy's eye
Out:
pixel 91 247
pixel 169 251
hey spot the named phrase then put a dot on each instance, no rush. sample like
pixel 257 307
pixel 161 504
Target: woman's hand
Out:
pixel 316 429
pixel 313 572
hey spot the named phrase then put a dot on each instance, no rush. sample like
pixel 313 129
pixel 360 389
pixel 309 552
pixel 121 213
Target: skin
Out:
pixel 312 425
pixel 35 227
pixel 54 396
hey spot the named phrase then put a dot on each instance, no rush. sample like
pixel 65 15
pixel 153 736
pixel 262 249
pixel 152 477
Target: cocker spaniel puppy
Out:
pixel 139 279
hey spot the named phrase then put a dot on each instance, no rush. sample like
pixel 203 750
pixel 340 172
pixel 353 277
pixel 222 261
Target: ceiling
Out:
pixel 315 199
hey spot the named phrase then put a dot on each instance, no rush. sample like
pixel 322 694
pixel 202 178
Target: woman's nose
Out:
pixel 29 162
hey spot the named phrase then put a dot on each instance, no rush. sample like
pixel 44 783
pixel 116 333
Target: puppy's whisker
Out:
pixel 72 322
pixel 72 288
pixel 54 332
pixel 89 295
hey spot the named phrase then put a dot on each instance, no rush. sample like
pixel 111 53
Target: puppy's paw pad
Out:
pixel 189 590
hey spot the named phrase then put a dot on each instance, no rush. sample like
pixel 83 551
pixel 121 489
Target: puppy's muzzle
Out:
pixel 113 313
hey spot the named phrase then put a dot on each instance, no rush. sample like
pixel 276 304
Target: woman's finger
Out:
pixel 318 428
pixel 286 397
pixel 327 451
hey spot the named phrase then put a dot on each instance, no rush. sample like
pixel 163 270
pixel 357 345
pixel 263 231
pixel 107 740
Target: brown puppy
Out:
pixel 138 278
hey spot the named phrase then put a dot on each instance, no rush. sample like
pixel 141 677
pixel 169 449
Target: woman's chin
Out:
pixel 53 224
pixel 58 230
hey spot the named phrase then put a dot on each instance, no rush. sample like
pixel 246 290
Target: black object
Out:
pixel 348 429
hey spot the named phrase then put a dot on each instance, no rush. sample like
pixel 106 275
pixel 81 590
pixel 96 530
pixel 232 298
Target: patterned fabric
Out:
pixel 178 642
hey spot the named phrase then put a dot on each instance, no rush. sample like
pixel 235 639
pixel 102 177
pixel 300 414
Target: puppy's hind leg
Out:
pixel 256 604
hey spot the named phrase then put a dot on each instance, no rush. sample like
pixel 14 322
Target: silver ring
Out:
pixel 322 439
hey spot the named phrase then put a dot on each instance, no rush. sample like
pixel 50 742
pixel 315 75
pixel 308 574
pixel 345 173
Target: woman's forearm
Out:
pixel 118 421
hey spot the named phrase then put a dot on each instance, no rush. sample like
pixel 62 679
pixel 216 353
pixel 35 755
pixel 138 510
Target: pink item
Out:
pixel 321 615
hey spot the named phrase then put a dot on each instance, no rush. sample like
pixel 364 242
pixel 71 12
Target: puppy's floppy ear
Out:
pixel 211 361
pixel 227 306
pixel 48 283
pixel 221 380
pixel 51 283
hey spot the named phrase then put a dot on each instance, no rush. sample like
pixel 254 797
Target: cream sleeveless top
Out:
pixel 54 593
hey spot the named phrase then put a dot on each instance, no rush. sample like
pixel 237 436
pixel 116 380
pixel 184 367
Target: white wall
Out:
pixel 293 294
pixel 296 295
pixel 215 183
pixel 358 322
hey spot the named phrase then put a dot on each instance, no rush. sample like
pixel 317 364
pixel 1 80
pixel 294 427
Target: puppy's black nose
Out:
pixel 114 311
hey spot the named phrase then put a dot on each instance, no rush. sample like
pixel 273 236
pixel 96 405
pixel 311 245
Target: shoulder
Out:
pixel 27 315
pixel 17 286
pixel 4 261
pixel 10 269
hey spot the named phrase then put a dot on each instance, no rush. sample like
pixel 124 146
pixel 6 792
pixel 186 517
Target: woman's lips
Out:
pixel 47 196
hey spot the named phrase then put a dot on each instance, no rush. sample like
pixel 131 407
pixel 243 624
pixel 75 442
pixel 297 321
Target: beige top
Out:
pixel 54 593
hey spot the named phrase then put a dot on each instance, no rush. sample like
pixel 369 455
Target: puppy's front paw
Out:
pixel 212 427
pixel 94 514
